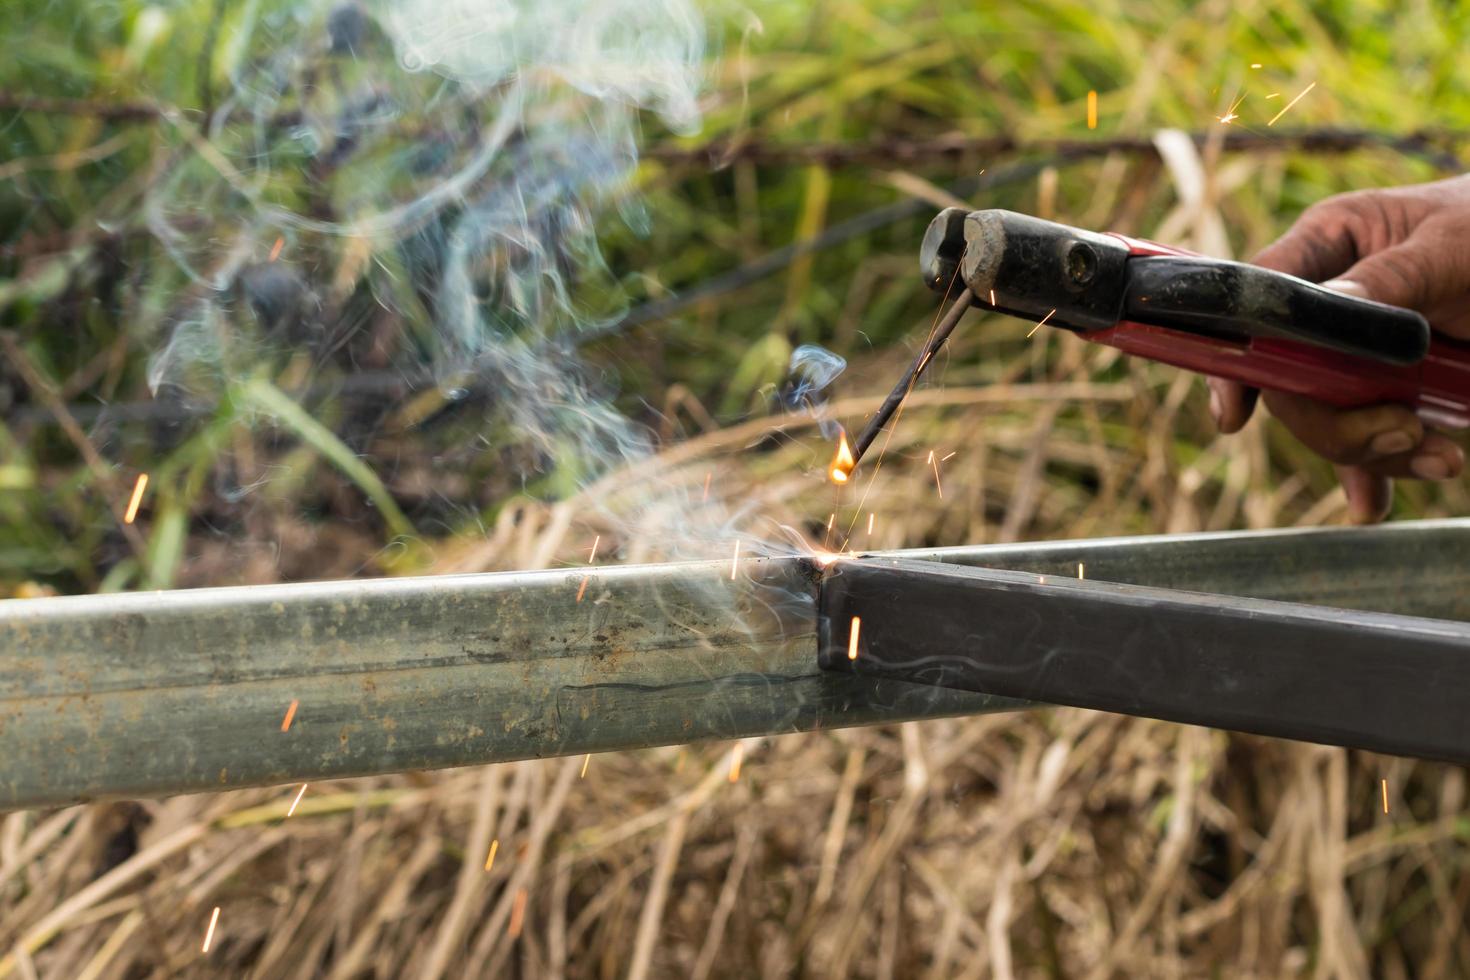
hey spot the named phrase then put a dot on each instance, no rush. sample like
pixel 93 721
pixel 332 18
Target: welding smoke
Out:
pixel 446 164
pixel 812 369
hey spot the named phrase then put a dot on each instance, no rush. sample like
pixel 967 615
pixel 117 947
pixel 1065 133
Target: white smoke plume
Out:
pixel 451 160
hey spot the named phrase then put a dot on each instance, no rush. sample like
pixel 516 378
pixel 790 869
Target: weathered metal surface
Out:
pixel 1366 680
pixel 154 693
pixel 1412 568
pixel 145 694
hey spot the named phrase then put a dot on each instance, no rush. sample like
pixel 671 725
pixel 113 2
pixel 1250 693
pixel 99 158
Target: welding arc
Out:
pixel 910 377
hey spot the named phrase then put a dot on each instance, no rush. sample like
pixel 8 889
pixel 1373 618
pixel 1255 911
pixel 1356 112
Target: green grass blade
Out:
pixel 267 398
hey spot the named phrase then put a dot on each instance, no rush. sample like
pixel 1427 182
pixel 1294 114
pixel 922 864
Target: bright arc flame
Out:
pixel 843 462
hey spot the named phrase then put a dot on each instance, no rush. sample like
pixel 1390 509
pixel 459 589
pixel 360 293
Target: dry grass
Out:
pixel 1051 843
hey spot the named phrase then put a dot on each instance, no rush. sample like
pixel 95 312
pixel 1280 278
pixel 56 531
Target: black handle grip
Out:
pixel 1233 300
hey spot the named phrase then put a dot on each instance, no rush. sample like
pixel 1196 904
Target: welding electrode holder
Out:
pixel 1230 320
pixel 1088 281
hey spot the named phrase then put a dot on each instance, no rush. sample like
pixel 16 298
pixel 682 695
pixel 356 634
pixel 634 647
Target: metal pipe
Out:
pixel 155 693
pixel 1366 680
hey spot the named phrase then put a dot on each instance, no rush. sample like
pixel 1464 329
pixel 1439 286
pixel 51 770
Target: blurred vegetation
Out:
pixel 88 290
pixel 332 451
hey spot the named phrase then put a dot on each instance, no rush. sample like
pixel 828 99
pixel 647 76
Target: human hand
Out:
pixel 1407 246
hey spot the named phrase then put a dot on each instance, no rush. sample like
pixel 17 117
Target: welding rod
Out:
pixel 900 391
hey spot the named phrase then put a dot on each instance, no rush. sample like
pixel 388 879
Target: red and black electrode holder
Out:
pixel 1227 319
pixel 1389 683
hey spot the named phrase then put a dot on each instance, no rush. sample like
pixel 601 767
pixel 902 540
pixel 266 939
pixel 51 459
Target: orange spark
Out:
pixel 1040 323
pixel 1092 109
pixel 299 794
pixel 1255 64
pixel 830 518
pixel 735 560
pixel 870 522
pixel 707 476
pixel 581 589
pixel 490 861
pixel 138 489
pixel 209 936
pixel 843 462
pixel 1230 114
pixel 736 754
pixel 1273 95
pixel 290 713
pixel 1079 570
pixel 1291 103
pixel 937 485
pixel 945 459
pixel 592 555
pixel 852 637
pixel 276 248
pixel 992 297
pixel 1385 796
pixel 586 760
pixel 518 914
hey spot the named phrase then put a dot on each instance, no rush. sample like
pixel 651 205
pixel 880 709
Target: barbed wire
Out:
pixel 1434 146
pixel 1437 144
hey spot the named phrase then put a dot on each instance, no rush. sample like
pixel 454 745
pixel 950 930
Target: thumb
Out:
pixel 1421 273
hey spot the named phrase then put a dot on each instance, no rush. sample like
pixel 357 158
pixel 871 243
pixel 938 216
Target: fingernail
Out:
pixel 1215 407
pixel 1392 442
pixel 1430 467
pixel 1346 286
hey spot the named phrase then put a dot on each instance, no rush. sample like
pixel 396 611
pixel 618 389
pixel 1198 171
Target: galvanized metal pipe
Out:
pixel 155 693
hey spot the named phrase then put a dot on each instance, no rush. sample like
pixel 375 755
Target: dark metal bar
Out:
pixel 1388 683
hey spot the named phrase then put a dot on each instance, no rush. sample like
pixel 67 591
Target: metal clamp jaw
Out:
pixel 1087 281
